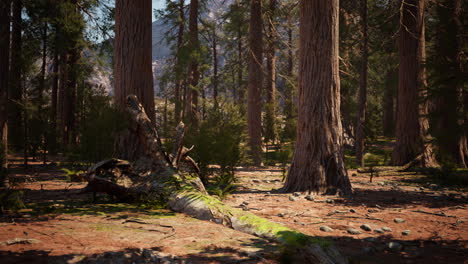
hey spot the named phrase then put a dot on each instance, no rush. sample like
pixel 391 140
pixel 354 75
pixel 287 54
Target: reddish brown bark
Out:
pixel 412 123
pixel 254 106
pixel 132 53
pixel 5 8
pixel 270 108
pixel 317 164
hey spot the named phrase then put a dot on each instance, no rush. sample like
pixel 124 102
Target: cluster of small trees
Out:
pixel 336 70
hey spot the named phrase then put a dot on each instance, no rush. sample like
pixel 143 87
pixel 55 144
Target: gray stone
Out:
pixel 297 194
pixel 281 214
pixel 309 198
pixel 366 227
pixel 352 211
pixel 394 246
pixel 379 231
pixel 387 229
pixel 353 231
pixel 325 228
pixel 421 188
pixel 381 183
pixel 292 198
pixel 406 232
pixel 330 201
pixel 245 203
pixel 399 220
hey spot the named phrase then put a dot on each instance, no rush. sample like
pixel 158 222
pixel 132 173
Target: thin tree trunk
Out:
pixel 270 115
pixel 179 70
pixel 16 91
pixel 289 106
pixel 5 8
pixel 53 110
pixel 215 67
pixel 317 164
pixel 388 104
pixel 254 107
pixel 194 74
pixel 240 70
pixel 132 53
pixel 361 118
pixel 412 123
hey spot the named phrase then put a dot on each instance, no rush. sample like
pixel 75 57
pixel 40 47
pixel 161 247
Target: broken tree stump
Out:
pixel 153 177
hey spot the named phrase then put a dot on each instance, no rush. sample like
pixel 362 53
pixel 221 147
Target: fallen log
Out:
pixel 153 177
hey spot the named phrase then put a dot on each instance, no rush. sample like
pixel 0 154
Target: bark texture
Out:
pixel 255 82
pixel 317 164
pixel 132 53
pixel 412 123
pixel 15 91
pixel 151 177
pixel 362 97
pixel 389 105
pixel 5 8
pixel 270 107
pixel 194 74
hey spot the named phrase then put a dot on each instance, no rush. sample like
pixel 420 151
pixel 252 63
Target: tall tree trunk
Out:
pixel 289 105
pixel 361 118
pixel 240 71
pixel 254 107
pixel 194 74
pixel 16 92
pixel 70 97
pixel 53 107
pixel 412 123
pixel 317 164
pixel 179 69
pixel 388 104
pixel 270 115
pixel 449 98
pixel 132 53
pixel 215 66
pixel 5 8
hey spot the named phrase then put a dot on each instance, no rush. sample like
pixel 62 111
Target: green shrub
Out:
pixel 219 140
pixel 11 200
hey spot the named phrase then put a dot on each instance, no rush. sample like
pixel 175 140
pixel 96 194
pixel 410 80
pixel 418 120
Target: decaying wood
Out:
pixel 153 177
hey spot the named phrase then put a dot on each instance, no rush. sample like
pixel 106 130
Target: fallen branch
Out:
pixel 437 214
pixel 151 178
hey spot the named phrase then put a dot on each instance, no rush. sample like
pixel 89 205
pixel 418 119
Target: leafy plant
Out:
pixel 11 200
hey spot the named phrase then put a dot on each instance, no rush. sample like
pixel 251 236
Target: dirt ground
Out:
pixel 63 225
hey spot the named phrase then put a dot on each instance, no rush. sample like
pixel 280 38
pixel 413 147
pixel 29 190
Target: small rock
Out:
pixel 325 228
pixel 281 215
pixel 352 211
pixel 330 201
pixel 381 183
pixel 406 232
pixel 309 198
pixel 394 246
pixel 297 194
pixel 379 231
pixel 353 231
pixel 292 198
pixel 421 188
pixel 255 181
pixel 399 220
pixel 245 203
pixel 354 175
pixel 368 250
pixel 387 229
pixel 245 208
pixel 366 227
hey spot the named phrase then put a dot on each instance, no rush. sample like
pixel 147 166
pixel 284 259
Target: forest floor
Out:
pixel 63 225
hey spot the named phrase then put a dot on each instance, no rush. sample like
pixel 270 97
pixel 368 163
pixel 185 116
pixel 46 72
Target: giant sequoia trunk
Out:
pixel 412 123
pixel 153 177
pixel 254 106
pixel 5 6
pixel 317 163
pixel 132 53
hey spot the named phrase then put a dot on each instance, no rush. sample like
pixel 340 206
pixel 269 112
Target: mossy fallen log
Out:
pixel 152 177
